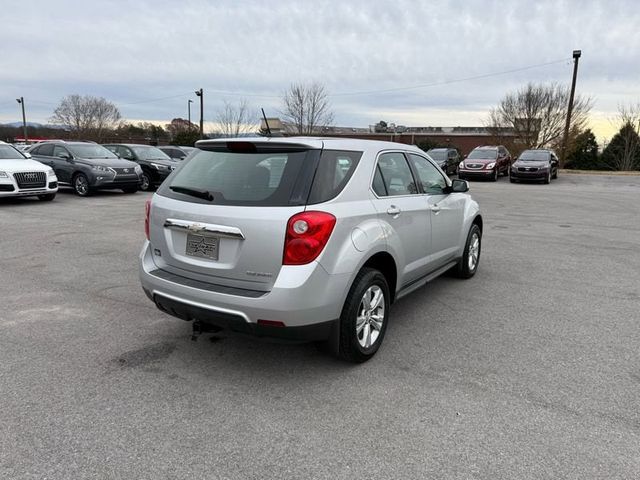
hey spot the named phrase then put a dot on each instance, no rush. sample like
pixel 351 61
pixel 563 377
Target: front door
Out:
pixel 447 212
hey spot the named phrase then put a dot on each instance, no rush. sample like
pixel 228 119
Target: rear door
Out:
pixel 63 163
pixel 235 237
pixel 400 206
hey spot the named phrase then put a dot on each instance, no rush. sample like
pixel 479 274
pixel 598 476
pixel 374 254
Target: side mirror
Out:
pixel 459 186
pixel 64 156
pixel 26 154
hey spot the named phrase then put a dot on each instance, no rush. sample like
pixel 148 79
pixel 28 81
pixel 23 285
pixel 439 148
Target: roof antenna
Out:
pixel 266 123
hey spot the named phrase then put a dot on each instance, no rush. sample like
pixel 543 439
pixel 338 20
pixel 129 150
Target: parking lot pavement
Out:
pixel 529 370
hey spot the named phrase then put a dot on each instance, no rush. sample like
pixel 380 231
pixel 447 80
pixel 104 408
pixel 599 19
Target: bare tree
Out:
pixel 86 116
pixel 623 151
pixel 235 120
pixel 307 107
pixel 536 114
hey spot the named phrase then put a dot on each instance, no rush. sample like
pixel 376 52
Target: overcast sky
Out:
pixel 138 53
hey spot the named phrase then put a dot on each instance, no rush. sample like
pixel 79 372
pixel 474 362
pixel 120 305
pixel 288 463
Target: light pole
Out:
pixel 576 57
pixel 200 94
pixel 24 120
pixel 189 112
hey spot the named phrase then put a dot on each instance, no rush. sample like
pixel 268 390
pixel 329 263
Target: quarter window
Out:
pixel 394 175
pixel 431 179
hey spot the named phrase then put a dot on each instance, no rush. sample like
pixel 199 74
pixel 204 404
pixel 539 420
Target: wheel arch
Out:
pixel 385 264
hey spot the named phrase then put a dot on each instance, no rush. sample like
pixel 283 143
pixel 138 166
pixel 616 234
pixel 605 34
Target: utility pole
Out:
pixel 200 94
pixel 24 120
pixel 189 112
pixel 567 125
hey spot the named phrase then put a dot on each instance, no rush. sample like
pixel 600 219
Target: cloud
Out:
pixel 130 52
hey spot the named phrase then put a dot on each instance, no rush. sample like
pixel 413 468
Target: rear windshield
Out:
pixel 262 178
pixel 149 153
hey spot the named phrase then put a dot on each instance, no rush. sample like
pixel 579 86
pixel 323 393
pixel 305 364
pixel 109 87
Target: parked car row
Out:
pixel 490 162
pixel 88 166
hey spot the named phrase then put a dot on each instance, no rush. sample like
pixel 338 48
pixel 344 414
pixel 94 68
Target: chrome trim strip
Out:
pixel 202 305
pixel 206 228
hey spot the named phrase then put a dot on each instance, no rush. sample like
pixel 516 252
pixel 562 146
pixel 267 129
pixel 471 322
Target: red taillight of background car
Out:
pixel 147 212
pixel 307 235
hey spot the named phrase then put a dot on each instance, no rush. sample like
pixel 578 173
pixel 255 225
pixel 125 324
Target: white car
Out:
pixel 22 177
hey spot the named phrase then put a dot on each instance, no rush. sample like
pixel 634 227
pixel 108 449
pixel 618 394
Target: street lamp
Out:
pixel 189 112
pixel 200 94
pixel 24 120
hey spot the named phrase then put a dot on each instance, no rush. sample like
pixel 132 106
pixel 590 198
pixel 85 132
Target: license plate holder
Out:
pixel 202 246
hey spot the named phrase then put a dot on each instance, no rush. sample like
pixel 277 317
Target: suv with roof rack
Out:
pixel 304 238
pixel 87 166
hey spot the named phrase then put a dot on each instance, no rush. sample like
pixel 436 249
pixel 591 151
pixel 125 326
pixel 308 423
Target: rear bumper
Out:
pixel 305 298
pixel 235 323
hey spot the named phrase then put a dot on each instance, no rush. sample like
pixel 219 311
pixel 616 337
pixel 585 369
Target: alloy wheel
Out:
pixel 81 185
pixel 370 316
pixel 474 252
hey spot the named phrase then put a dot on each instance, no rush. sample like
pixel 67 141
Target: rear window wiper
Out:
pixel 194 192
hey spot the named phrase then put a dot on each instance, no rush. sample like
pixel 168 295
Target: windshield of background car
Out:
pixel 150 153
pixel 7 152
pixel 483 154
pixel 438 155
pixel 534 156
pixel 90 150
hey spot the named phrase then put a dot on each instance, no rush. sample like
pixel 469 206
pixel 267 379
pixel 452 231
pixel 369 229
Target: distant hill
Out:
pixel 30 124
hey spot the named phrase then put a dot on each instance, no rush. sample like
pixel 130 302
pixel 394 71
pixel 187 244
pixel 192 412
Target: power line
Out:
pixel 447 82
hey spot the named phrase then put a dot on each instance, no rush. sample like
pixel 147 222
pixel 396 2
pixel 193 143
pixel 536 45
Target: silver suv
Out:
pixel 304 238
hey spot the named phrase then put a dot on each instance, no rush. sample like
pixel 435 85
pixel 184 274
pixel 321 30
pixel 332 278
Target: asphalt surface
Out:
pixel 529 370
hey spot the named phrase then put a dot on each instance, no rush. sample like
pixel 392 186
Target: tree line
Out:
pixel 531 117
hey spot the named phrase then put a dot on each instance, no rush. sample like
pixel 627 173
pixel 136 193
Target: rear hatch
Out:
pixel 221 218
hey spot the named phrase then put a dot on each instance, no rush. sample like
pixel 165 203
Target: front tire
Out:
pixel 364 317
pixel 81 185
pixel 547 179
pixel 495 175
pixel 468 263
pixel 47 197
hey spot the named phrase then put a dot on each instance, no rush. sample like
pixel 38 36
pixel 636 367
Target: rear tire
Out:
pixel 468 263
pixel 555 175
pixel 130 190
pixel 364 317
pixel 47 197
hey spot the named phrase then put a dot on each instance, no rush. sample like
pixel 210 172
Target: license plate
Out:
pixel 201 246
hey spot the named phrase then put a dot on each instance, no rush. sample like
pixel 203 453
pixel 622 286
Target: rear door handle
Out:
pixel 435 209
pixel 393 210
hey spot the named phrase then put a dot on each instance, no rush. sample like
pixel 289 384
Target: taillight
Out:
pixel 307 235
pixel 147 211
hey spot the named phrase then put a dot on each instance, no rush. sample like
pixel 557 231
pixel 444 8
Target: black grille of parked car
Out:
pixel 474 165
pixel 126 173
pixel 6 188
pixel 31 179
pixel 527 169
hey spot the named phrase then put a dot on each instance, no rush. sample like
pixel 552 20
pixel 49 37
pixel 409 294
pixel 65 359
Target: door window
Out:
pixel 393 176
pixel 59 152
pixel 46 150
pixel 430 178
